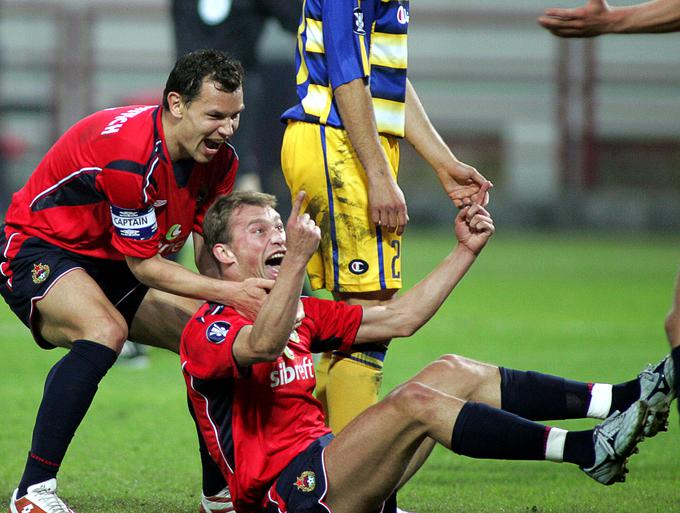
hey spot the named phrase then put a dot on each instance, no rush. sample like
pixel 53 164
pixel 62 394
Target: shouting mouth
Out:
pixel 273 264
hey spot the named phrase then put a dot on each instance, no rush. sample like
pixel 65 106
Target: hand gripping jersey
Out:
pixel 107 189
pixel 342 40
pixel 255 420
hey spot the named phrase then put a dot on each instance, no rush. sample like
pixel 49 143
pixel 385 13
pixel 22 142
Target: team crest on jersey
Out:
pixel 217 331
pixel 306 482
pixel 40 273
pixel 174 232
pixel 359 21
pixel 358 266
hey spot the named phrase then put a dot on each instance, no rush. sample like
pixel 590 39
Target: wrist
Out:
pixel 616 20
pixel 462 250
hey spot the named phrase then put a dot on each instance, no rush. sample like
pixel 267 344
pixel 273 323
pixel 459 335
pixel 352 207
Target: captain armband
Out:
pixel 134 224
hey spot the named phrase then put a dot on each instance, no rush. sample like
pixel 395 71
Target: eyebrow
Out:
pixel 263 220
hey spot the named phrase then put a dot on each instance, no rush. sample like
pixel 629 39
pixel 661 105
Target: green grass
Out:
pixel 582 306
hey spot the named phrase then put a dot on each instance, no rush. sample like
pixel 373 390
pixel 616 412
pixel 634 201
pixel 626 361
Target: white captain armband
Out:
pixel 134 224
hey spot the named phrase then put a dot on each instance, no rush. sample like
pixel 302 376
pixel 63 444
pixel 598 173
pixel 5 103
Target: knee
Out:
pixel 109 331
pixel 462 376
pixel 414 401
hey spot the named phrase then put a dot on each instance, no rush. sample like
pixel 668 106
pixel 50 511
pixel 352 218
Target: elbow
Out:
pixel 405 330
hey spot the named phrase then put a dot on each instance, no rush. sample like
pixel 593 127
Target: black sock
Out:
pixel 537 396
pixel 675 355
pixel 624 394
pixel 579 448
pixel 485 432
pixel 213 480
pixel 69 389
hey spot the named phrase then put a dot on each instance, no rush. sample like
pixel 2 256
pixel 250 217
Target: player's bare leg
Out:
pixel 391 432
pixel 74 314
pixel 160 319
pixel 75 308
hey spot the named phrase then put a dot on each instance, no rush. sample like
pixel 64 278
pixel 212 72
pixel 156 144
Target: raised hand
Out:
pixel 474 227
pixel 302 234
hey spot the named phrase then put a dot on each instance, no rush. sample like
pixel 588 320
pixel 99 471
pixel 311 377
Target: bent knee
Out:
pixel 458 375
pixel 107 330
pixel 414 400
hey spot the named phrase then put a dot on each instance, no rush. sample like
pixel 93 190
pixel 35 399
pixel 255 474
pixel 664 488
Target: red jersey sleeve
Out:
pixel 130 189
pixel 224 169
pixel 206 348
pixel 333 324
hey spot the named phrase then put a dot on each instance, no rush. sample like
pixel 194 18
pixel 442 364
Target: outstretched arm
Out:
pixel 597 17
pixel 460 181
pixel 406 314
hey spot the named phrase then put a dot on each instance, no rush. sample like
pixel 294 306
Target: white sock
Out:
pixel 600 401
pixel 554 445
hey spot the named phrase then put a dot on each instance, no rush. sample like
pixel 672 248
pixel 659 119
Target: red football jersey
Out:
pixel 107 188
pixel 255 420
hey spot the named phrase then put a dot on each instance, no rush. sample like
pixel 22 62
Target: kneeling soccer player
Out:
pixel 251 383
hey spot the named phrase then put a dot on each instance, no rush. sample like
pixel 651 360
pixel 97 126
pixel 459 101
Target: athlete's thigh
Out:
pixel 74 308
pixel 160 319
pixel 353 256
pixel 381 443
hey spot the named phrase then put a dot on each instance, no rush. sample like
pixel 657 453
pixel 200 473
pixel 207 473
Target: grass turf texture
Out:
pixel 582 306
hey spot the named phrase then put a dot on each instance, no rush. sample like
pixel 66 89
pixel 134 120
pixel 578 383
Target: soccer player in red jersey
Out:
pixel 251 383
pixel 83 243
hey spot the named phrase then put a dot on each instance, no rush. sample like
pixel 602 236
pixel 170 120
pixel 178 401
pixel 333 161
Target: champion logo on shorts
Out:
pixel 40 273
pixel 359 22
pixel 217 331
pixel 402 15
pixel 306 482
pixel 358 266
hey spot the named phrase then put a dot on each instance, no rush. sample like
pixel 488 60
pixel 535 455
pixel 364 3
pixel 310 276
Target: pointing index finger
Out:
pixel 297 205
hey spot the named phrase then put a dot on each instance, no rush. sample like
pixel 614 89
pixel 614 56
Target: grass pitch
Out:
pixel 582 306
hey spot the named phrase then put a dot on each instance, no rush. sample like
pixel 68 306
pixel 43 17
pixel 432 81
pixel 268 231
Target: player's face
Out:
pixel 258 241
pixel 208 121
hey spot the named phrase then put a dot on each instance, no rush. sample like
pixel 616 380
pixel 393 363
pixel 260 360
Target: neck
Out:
pixel 169 129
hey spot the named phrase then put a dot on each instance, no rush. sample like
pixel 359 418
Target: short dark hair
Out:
pixel 216 224
pixel 187 77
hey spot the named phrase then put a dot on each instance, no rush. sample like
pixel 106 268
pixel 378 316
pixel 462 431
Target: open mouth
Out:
pixel 212 144
pixel 275 260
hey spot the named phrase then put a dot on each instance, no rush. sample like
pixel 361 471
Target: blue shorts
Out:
pixel 37 265
pixel 301 486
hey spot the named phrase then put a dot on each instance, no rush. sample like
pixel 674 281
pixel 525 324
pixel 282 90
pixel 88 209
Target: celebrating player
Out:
pixel 83 244
pixel 341 147
pixel 251 383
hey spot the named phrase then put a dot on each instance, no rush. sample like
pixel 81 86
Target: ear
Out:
pixel 176 104
pixel 223 254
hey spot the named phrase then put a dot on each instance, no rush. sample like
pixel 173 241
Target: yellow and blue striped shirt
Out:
pixel 342 40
